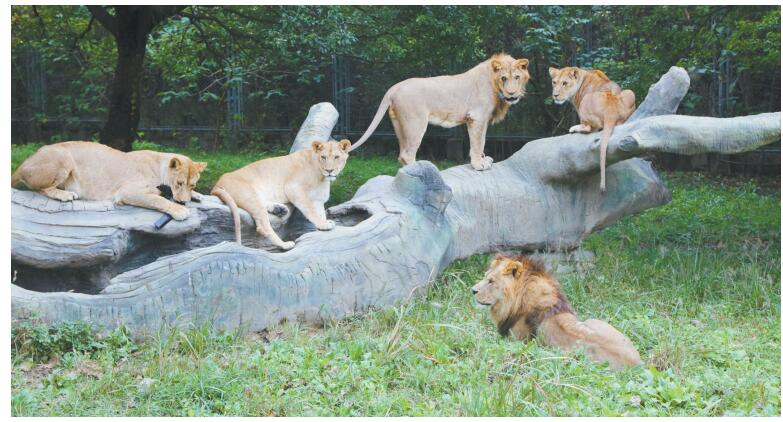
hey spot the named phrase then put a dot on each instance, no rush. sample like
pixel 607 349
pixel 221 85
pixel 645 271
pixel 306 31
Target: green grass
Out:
pixel 695 284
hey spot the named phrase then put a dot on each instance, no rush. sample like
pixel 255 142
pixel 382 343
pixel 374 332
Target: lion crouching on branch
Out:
pixel 302 178
pixel 476 98
pixel 599 102
pixel 527 302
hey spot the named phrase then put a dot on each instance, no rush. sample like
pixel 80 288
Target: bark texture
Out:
pixel 131 27
pixel 397 233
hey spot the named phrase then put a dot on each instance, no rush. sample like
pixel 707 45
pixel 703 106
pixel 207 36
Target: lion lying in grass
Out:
pixel 527 302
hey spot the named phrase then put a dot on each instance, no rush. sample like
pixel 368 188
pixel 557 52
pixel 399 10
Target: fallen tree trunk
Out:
pixel 397 233
pixel 81 245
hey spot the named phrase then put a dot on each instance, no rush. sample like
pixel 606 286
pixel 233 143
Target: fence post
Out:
pixel 35 82
pixel 234 116
pixel 341 93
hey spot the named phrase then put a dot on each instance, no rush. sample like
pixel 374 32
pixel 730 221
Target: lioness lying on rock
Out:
pixel 91 171
pixel 302 178
pixel 527 302
pixel 478 97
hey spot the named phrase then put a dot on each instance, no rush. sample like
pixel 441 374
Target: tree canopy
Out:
pixel 279 58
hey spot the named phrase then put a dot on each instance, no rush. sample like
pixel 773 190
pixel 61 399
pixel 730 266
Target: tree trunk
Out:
pixel 392 238
pixel 131 26
pixel 125 93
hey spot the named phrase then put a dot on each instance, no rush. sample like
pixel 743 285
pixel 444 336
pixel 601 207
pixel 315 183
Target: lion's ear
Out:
pixel 345 144
pixel 317 146
pixel 575 73
pixel 514 268
pixel 496 65
pixel 200 166
pixel 175 163
pixel 553 71
pixel 522 64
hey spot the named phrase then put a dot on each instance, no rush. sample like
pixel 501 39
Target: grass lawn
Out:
pixel 694 284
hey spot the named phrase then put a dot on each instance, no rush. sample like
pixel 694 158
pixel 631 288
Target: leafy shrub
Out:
pixel 40 342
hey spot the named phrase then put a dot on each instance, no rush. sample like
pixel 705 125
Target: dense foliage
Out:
pixel 279 58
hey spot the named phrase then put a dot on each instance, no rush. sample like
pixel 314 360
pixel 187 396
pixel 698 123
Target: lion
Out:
pixel 302 178
pixel 527 302
pixel 599 102
pixel 480 96
pixel 88 170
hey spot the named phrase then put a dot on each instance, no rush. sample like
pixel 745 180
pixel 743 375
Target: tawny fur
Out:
pixel 478 97
pixel 600 103
pixel 526 301
pixel 302 179
pixel 91 171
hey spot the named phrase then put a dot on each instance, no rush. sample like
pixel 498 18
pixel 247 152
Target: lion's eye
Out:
pixel 503 78
pixel 516 77
pixel 564 84
pixel 490 281
pixel 323 157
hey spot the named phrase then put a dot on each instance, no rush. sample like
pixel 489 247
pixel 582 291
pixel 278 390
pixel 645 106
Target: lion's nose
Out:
pixel 474 290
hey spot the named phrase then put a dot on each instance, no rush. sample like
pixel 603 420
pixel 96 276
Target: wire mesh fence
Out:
pixel 237 119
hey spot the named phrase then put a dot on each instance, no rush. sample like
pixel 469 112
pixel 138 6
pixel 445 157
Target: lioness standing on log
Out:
pixel 527 302
pixel 91 171
pixel 480 96
pixel 599 102
pixel 301 178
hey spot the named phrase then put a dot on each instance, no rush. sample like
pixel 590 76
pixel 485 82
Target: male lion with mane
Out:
pixel 475 98
pixel 527 302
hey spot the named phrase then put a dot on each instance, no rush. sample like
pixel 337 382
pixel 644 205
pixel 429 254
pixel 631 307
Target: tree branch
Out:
pixel 652 128
pixel 40 22
pixel 159 14
pixel 83 33
pixel 106 19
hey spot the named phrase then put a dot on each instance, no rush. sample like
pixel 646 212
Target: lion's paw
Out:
pixel 287 245
pixel 329 225
pixel 482 163
pixel 579 129
pixel 69 196
pixel 179 212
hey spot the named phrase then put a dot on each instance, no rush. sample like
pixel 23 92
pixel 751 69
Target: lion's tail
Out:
pixel 228 200
pixel 16 177
pixel 610 120
pixel 385 104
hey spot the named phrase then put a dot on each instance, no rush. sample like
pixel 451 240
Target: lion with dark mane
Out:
pixel 525 301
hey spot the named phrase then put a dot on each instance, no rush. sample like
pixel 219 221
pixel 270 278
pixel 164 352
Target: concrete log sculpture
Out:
pixel 397 233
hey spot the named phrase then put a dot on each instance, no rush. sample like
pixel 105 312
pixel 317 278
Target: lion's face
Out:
pixel 331 157
pixel 501 279
pixel 565 83
pixel 182 177
pixel 510 77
